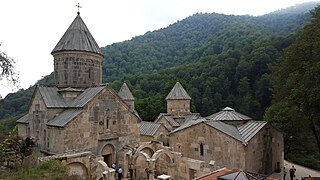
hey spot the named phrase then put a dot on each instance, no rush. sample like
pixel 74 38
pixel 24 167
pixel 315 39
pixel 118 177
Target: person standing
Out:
pixel 292 172
pixel 119 173
pixel 284 173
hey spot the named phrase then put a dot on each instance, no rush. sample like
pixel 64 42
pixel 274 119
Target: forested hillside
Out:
pixel 190 42
pixel 295 83
pixel 221 60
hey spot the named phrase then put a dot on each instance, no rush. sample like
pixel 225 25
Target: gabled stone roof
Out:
pixel 77 38
pixel 178 93
pixel 149 128
pixel 226 129
pixel 125 92
pixel 24 119
pixel 243 133
pixel 51 97
pixel 251 128
pixel 86 96
pixel 188 124
pixel 64 118
pixel 228 114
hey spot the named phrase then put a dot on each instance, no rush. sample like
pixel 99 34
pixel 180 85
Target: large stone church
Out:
pixel 89 126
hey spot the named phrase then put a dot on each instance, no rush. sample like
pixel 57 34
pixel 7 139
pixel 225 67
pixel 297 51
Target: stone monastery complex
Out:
pixel 89 126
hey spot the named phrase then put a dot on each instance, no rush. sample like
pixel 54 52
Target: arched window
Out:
pixel 201 149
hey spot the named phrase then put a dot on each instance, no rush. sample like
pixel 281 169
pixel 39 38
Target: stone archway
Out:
pixel 148 151
pixel 162 162
pixel 108 154
pixel 78 170
pixel 141 167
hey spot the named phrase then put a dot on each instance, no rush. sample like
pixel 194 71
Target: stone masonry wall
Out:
pixel 263 152
pixel 216 146
pixel 178 107
pixel 77 69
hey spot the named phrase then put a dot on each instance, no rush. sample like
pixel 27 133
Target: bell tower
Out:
pixel 178 101
pixel 77 58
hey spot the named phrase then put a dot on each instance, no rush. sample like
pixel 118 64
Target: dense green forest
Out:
pixel 295 106
pixel 221 60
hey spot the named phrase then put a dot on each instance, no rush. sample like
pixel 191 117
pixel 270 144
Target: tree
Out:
pixel 296 94
pixel 13 150
pixel 7 69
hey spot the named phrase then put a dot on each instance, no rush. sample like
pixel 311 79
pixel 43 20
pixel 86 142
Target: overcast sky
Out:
pixel 30 29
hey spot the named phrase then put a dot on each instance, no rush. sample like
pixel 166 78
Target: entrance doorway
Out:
pixel 107 153
pixel 108 159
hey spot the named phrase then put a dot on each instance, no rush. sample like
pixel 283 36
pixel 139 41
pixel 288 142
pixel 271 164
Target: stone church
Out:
pixel 89 126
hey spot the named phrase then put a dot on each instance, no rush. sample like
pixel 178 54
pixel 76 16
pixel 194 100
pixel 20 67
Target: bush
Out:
pixel 307 160
pixel 47 170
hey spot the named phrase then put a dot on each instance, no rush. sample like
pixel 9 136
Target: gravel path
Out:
pixel 301 171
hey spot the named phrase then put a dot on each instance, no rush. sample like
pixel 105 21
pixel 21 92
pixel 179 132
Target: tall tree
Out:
pixel 296 94
pixel 7 69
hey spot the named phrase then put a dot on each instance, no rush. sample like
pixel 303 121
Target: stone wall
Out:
pixel 207 144
pixel 84 165
pixel 22 130
pixel 178 107
pixel 38 116
pixel 77 69
pixel 264 153
pixel 56 140
pixel 80 134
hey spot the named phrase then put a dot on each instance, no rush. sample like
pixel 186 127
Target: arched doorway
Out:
pixel 78 170
pixel 108 154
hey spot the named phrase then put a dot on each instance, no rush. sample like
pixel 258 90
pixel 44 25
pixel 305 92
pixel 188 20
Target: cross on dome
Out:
pixel 78 5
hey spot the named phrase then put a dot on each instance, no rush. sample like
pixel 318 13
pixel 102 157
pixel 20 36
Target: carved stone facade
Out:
pixel 77 69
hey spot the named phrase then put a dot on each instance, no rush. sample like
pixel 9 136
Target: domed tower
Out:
pixel 77 58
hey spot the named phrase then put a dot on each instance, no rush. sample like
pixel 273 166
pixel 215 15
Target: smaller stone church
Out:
pixel 224 139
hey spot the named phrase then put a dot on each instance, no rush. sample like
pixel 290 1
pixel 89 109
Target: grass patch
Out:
pixel 48 170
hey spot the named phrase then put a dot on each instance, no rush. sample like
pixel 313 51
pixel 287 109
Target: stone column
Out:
pixel 152 167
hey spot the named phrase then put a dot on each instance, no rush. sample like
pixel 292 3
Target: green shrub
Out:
pixel 47 170
pixel 305 160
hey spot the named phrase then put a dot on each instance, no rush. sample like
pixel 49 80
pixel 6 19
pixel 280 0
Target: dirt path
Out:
pixel 301 171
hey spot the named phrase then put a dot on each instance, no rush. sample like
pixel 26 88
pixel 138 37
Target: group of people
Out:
pixel 292 173
pixel 119 171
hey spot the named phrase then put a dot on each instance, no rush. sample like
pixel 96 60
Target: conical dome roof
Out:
pixel 178 93
pixel 77 38
pixel 125 92
pixel 228 114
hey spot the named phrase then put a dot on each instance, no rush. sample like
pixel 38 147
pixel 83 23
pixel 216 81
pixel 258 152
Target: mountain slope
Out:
pixel 180 42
